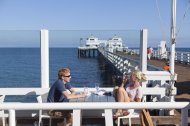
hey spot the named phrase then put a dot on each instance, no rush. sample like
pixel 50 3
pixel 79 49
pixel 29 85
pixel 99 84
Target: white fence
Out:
pixel 181 57
pixel 77 107
pixel 184 106
pixel 124 64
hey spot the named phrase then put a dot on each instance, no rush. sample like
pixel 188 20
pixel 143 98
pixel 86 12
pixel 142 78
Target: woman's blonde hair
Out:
pixel 139 75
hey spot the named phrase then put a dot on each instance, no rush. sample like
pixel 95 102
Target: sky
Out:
pixel 23 20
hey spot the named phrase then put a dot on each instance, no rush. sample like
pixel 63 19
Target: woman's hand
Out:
pixel 130 97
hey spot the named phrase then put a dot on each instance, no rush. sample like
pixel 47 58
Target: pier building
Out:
pixel 89 49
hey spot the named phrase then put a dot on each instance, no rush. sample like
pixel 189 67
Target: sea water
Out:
pixel 20 67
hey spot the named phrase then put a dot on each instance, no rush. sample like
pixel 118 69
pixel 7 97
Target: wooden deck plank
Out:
pixel 158 120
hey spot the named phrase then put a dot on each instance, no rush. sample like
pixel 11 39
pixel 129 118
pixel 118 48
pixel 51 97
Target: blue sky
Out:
pixel 33 15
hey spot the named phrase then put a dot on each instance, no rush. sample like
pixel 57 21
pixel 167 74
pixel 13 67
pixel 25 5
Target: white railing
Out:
pixel 184 106
pixel 125 64
pixel 181 57
pixel 76 111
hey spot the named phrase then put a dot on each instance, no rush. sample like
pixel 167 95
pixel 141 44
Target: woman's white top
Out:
pixel 134 93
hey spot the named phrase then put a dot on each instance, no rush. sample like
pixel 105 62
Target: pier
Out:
pixel 162 94
pixel 87 52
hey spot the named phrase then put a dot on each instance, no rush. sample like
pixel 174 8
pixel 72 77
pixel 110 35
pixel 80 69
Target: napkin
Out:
pixel 100 92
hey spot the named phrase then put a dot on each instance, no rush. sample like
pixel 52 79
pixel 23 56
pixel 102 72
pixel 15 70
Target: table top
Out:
pixel 94 97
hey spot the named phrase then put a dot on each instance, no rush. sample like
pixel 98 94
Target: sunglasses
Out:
pixel 68 76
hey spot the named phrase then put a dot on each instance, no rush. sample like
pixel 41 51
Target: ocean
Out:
pixel 20 67
pixel 183 49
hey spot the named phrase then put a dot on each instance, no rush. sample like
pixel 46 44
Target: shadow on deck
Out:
pixel 158 120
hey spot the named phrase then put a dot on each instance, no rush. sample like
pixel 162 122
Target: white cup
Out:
pixel 36 123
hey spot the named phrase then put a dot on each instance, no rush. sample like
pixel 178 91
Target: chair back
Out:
pixel 2 113
pixel 2 98
pixel 39 99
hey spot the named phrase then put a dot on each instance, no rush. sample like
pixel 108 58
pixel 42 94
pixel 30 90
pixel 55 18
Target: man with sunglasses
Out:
pixel 62 91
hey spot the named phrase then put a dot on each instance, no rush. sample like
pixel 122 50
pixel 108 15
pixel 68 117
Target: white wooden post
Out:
pixel 12 118
pixel 44 58
pixel 143 52
pixel 77 117
pixel 181 59
pixel 173 36
pixel 108 117
pixel 188 58
pixel 172 48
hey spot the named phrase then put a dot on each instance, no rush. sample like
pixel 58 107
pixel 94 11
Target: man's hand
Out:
pixel 83 94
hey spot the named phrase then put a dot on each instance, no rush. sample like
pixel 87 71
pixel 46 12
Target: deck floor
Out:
pixel 158 120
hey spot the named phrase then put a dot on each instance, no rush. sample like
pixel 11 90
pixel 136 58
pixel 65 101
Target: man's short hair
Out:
pixel 63 72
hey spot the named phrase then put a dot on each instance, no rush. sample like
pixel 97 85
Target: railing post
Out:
pixel 12 121
pixel 108 117
pixel 76 117
pixel 184 117
pixel 44 58
pixel 143 52
pixel 181 59
pixel 188 58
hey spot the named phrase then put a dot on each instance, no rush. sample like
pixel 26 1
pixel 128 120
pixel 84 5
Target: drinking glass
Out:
pixel 36 123
pixel 86 90
pixel 97 86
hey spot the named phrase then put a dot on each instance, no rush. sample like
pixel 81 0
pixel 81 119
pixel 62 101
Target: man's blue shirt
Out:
pixel 56 92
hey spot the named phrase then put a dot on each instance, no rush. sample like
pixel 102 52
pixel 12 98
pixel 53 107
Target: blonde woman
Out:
pixel 131 93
